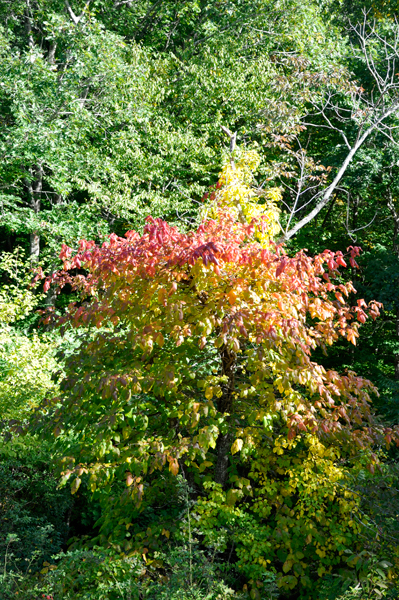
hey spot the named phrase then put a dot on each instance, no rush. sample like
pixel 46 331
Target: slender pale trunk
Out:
pixel 51 295
pixel 51 53
pixel 28 28
pixel 225 405
pixel 35 188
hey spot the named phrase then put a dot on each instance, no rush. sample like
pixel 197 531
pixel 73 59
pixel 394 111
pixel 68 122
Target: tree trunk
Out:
pixel 28 28
pixel 35 190
pixel 225 405
pixel 222 458
pixel 51 53
pixel 396 356
pixel 34 246
pixel 395 245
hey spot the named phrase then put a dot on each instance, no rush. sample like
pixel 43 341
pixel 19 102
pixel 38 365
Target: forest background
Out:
pixel 115 110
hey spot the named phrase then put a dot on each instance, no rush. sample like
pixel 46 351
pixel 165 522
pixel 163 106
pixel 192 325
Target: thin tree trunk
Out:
pixel 35 191
pixel 395 245
pixel 28 27
pixel 51 53
pixel 225 405
pixel 396 356
pixel 222 458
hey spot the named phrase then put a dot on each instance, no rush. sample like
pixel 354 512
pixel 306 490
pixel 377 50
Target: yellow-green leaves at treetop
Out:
pixel 235 192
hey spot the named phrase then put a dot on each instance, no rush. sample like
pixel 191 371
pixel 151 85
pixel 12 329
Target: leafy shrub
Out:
pixel 33 511
pixel 100 574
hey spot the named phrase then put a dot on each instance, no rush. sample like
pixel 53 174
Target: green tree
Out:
pixel 113 111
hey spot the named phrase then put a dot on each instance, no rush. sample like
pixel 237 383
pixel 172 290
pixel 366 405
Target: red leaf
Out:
pixel 340 260
pixel 281 267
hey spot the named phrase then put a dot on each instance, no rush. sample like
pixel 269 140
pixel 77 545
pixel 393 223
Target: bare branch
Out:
pixel 74 18
pixel 122 3
pixel 370 112
pixel 232 136
pixel 341 172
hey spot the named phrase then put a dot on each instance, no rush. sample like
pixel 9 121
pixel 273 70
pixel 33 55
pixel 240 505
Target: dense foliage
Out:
pixel 217 389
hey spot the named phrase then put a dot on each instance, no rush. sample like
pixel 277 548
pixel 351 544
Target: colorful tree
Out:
pixel 196 354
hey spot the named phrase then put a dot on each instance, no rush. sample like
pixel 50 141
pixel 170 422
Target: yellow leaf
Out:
pixel 232 496
pixel 76 484
pixel 237 445
pixel 209 393
pixel 287 566
pixel 160 340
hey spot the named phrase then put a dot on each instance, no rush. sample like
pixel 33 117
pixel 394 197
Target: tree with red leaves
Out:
pixel 196 355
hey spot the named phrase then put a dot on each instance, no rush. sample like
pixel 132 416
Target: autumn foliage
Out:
pixel 197 355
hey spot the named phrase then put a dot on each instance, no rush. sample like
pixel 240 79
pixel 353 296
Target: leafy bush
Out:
pixel 33 511
pixel 370 582
pixel 27 360
pixel 100 574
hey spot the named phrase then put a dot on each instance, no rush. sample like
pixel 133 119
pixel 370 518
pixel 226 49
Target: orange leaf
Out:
pixel 232 297
pixel 173 466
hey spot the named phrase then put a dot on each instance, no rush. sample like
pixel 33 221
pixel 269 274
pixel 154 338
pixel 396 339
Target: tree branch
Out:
pixel 341 172
pixel 75 20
